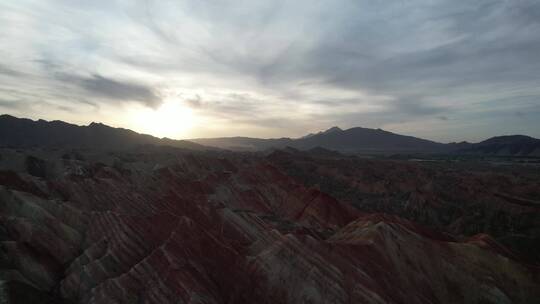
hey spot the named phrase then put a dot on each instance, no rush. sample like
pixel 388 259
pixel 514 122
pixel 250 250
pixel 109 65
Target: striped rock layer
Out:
pixel 169 227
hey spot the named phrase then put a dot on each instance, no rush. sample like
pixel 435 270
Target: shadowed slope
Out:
pixel 170 227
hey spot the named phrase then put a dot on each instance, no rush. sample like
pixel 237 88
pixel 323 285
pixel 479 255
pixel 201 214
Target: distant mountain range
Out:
pixel 349 141
pixel 20 132
pixel 24 133
pixel 365 140
pixel 517 145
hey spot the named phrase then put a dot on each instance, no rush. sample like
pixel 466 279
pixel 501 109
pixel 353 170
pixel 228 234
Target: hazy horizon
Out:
pixel 438 70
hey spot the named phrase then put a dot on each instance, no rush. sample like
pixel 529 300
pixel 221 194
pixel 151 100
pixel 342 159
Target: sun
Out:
pixel 172 119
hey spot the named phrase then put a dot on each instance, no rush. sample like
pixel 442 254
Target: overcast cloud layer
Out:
pixel 443 70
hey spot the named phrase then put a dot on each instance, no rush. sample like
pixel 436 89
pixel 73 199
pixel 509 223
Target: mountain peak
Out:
pixel 332 130
pixel 97 124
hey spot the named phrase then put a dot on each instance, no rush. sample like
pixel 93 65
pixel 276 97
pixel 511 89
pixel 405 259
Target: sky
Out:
pixel 445 70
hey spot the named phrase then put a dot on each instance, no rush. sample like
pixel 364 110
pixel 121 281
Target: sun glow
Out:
pixel 172 119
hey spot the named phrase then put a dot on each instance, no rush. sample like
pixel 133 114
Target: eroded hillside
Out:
pixel 166 226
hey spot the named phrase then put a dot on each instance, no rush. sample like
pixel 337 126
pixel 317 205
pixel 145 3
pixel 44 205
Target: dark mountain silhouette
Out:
pixel 368 141
pixel 352 140
pixel 331 130
pixel 22 133
pixel 518 145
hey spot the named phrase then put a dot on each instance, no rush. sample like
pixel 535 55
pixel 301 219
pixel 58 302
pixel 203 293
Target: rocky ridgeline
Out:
pixel 162 226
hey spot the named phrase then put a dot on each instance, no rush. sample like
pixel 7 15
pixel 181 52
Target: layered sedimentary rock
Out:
pixel 463 198
pixel 162 226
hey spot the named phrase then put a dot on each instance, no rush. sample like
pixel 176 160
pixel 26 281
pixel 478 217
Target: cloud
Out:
pixel 99 86
pixel 417 105
pixel 282 66
pixel 10 104
pixel 194 102
pixel 9 72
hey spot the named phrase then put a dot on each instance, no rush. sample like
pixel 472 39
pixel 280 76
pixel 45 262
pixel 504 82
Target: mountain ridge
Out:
pixel 25 132
pixel 518 145
pixel 367 140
